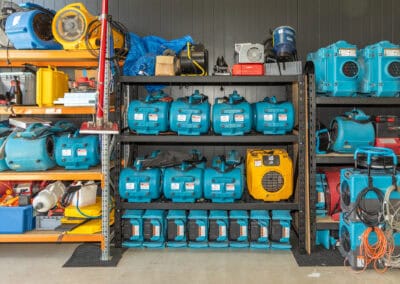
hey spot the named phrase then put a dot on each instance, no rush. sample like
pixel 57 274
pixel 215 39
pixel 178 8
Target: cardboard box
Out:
pixel 166 65
pixel 89 73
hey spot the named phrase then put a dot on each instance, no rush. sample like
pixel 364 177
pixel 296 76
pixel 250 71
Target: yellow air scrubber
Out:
pixel 269 174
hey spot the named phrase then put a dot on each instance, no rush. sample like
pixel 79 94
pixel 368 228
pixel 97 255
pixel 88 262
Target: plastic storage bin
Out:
pixel 51 85
pixel 16 220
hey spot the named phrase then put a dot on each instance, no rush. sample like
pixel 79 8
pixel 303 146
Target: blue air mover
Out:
pixel 259 227
pixel 350 131
pixel 362 190
pixel 238 229
pixel 320 186
pixel 380 65
pixel 284 43
pixel 140 184
pixel 176 229
pixel 198 229
pixel 232 115
pixel 132 228
pixel 31 29
pixel 224 181
pixel 4 132
pixel 190 115
pixel 154 228
pixel 271 117
pixel 280 229
pixel 77 152
pixel 151 115
pixel 218 229
pixel 336 69
pixel 324 238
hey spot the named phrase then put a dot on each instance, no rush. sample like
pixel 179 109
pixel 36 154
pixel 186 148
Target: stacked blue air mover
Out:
pixel 370 203
pixel 258 229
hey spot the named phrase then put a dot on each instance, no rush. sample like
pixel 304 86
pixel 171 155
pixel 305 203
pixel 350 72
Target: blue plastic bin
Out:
pixel 16 220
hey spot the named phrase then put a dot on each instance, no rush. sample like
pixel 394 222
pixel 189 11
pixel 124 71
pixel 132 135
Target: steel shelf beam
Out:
pixel 213 206
pixel 356 101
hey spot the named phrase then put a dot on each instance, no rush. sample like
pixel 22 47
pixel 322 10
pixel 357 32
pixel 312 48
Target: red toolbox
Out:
pixel 248 69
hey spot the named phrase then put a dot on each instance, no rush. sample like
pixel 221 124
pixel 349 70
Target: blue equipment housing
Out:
pixel 224 181
pixel 190 115
pixel 271 117
pixel 132 228
pixel 280 229
pixel 380 65
pixel 218 229
pixel 259 227
pixel 140 184
pixel 198 229
pixel 238 229
pixel 336 69
pixel 151 116
pixel 154 228
pixel 321 185
pixel 324 238
pixel 284 42
pixel 4 132
pixel 31 29
pixel 232 115
pixel 176 229
pixel 351 131
pixel 77 152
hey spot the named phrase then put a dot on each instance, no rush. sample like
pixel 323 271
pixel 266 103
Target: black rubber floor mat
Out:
pixel 88 255
pixel 319 257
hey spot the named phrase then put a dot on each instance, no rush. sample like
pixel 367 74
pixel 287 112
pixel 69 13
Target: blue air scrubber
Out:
pixel 238 229
pixel 380 65
pixel 280 229
pixel 149 117
pixel 271 117
pixel 132 228
pixel 77 152
pixel 259 227
pixel 218 229
pixel 31 29
pixel 190 115
pixel 284 42
pixel 4 132
pixel 232 115
pixel 350 131
pixel 224 181
pixel 140 184
pixel 358 184
pixel 176 229
pixel 198 229
pixel 154 228
pixel 336 69
pixel 320 186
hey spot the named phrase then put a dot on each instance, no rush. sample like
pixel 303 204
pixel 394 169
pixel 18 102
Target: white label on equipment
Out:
pixel 264 232
pixel 144 185
pixel 257 163
pixel 180 230
pixel 224 118
pixel 138 116
pixel 347 52
pixel 360 261
pixel 286 232
pixel 153 117
pixel 321 197
pixel 181 117
pixel 135 230
pixel 391 52
pixel 196 118
pixel 16 20
pixel 222 231
pixel 230 187
pixel 202 231
pixel 239 117
pixel 130 185
pixel 388 140
pixel 243 231
pixel 66 152
pixel 268 117
pixel 282 117
pixel 156 231
pixel 189 185
pixel 175 186
pixel 82 152
pixel 215 187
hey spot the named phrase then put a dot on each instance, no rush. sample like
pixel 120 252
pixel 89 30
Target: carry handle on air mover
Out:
pixel 371 152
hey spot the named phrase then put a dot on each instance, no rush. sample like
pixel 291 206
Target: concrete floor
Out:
pixel 42 263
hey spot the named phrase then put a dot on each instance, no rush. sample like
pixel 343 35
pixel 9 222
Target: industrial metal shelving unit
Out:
pixel 320 107
pixel 295 142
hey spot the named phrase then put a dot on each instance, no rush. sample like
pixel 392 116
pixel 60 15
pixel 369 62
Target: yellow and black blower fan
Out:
pixel 75 28
pixel 269 174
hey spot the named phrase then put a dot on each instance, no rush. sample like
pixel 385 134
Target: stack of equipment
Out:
pixel 176 229
pixel 259 227
pixel 154 228
pixel 238 229
pixel 249 60
pixel 280 229
pixel 132 228
pixel 218 229
pixel 198 228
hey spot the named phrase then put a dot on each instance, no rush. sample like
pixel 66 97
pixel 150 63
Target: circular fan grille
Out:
pixel 42 26
pixel 254 54
pixel 350 69
pixel 272 181
pixel 334 132
pixel 394 69
pixel 345 239
pixel 345 193
pixel 71 25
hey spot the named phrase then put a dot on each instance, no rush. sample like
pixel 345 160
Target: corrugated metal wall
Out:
pixel 221 23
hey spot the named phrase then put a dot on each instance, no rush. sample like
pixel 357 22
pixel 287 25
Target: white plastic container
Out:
pixel 86 195
pixel 48 197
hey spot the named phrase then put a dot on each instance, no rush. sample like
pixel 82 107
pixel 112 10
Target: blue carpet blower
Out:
pixel 198 228
pixel 271 117
pixel 132 228
pixel 350 131
pixel 151 116
pixel 280 229
pixel 259 227
pixel 218 229
pixel 238 229
pixel 154 228
pixel 336 69
pixel 224 181
pixel 232 115
pixel 176 229
pixel 190 115
pixel 380 69
pixel 140 184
